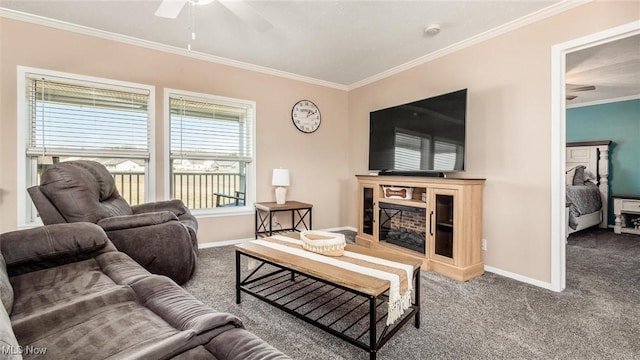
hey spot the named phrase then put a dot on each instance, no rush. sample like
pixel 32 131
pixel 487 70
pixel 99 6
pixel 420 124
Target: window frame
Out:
pixel 25 174
pixel 250 179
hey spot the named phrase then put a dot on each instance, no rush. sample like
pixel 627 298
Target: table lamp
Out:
pixel 280 179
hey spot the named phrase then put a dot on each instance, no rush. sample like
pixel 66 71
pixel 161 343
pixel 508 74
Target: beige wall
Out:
pixel 317 161
pixel 508 117
pixel 508 78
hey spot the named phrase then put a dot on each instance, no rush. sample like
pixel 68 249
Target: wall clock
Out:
pixel 306 116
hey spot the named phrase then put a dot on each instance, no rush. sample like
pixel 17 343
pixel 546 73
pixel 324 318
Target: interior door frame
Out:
pixel 558 140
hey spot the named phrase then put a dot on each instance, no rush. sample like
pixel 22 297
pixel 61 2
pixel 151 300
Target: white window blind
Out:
pixel 211 150
pixel 86 119
pixel 206 129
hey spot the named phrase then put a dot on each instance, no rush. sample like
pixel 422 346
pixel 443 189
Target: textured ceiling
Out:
pixel 342 42
pixel 345 43
pixel 613 68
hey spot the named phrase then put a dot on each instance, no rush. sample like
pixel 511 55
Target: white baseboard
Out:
pixel 524 279
pixel 491 269
pixel 222 243
pixel 350 228
pixel 240 241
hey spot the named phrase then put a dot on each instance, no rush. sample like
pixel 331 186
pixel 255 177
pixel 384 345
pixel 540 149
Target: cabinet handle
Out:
pixel 431 223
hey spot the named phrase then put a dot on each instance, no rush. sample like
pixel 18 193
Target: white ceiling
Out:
pixel 613 68
pixel 341 43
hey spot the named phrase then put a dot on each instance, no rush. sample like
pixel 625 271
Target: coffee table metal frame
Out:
pixel 284 282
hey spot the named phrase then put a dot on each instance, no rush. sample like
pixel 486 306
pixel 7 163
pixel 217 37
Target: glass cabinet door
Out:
pixel 443 225
pixel 367 210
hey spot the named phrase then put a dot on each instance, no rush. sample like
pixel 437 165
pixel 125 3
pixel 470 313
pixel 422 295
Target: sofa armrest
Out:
pixel 138 220
pixel 52 245
pixel 175 206
pixel 240 344
pixel 9 345
pixel 160 295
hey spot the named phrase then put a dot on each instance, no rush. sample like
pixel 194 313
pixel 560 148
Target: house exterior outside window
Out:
pixel 210 157
pixel 66 117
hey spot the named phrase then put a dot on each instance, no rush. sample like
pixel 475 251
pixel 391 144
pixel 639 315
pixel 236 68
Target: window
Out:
pixel 211 142
pixel 69 117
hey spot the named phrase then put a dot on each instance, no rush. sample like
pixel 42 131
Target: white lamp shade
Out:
pixel 280 177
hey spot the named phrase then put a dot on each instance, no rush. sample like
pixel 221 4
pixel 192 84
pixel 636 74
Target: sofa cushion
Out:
pixel 48 246
pixel 83 191
pixel 50 321
pixel 6 290
pixel 112 324
pixel 78 309
pixel 39 291
pixel 109 306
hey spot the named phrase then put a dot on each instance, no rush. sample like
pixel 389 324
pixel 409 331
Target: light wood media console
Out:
pixel 438 220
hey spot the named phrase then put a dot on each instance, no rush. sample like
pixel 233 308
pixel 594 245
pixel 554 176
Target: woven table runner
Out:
pixel 398 274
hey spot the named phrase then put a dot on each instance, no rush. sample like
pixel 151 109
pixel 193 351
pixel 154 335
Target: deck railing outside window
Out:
pixel 196 189
pixel 131 186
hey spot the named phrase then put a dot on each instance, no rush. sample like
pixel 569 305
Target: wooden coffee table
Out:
pixel 347 304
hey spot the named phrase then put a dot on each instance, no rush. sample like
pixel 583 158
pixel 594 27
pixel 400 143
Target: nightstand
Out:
pixel 627 209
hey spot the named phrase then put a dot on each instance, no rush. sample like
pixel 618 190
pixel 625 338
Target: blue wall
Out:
pixel 620 123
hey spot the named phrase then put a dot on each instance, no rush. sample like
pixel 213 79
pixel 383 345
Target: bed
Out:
pixel 587 183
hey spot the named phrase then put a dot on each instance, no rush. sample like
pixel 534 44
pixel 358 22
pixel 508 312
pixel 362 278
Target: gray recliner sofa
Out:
pixel 67 293
pixel 160 236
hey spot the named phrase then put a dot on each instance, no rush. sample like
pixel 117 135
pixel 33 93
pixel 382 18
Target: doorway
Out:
pixel 558 140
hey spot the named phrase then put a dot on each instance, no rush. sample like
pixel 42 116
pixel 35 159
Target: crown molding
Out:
pixel 502 29
pixel 85 30
pixel 510 26
pixel 604 101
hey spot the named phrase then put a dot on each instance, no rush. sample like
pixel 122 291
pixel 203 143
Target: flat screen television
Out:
pixel 419 138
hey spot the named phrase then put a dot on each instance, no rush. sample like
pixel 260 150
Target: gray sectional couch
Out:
pixel 66 291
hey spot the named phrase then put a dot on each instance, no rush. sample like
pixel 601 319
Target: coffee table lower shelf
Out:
pixel 353 316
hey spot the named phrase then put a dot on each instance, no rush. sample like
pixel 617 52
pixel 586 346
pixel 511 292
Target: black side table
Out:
pixel 265 211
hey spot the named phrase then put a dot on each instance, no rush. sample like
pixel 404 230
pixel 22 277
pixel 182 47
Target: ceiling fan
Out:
pixel 170 9
pixel 572 88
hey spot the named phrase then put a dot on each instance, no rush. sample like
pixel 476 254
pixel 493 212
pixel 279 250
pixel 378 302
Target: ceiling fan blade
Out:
pixel 576 87
pixel 584 88
pixel 170 9
pixel 247 14
pixel 570 97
